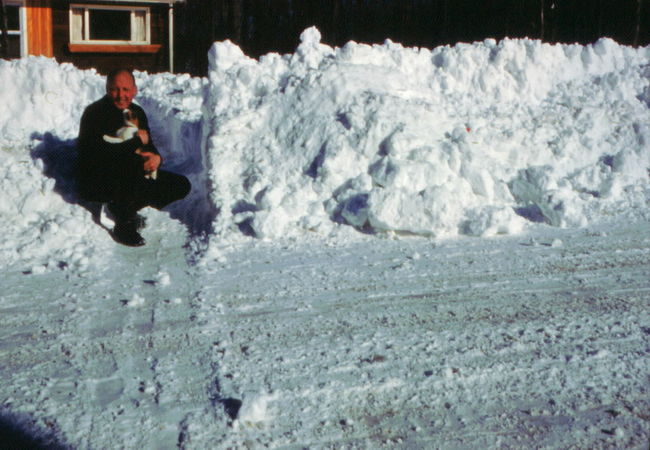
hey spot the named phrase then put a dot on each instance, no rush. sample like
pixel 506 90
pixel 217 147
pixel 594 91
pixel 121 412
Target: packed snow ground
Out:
pixel 538 341
pixel 341 274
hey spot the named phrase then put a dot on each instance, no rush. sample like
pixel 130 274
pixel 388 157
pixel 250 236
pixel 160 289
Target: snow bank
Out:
pixel 473 139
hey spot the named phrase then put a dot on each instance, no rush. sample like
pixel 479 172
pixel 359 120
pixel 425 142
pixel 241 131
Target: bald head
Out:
pixel 115 72
pixel 121 88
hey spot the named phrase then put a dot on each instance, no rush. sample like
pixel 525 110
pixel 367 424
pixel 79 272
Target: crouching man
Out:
pixel 120 173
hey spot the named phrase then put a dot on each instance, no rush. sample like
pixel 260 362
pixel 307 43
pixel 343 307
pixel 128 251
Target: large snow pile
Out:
pixel 472 139
pixel 469 139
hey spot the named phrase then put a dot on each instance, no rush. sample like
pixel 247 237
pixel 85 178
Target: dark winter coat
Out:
pixel 102 166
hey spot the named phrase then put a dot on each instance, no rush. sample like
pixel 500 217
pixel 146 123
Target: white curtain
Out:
pixel 77 25
pixel 139 26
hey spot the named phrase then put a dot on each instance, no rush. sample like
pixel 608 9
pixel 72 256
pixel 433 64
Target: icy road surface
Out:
pixel 538 340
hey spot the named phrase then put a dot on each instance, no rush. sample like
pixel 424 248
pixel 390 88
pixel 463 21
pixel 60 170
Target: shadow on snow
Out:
pixel 59 159
pixel 23 432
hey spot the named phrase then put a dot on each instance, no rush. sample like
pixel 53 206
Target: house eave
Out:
pixel 167 2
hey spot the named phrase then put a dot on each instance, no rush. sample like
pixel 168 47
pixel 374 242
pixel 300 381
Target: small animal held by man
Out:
pixel 127 132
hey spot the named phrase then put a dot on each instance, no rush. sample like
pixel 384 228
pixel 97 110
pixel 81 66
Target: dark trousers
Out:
pixel 165 189
pixel 127 191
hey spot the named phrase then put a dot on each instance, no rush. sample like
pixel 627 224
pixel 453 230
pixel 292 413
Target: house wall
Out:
pixel 157 61
pixel 39 27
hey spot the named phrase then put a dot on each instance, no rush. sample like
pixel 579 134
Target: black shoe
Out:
pixel 115 214
pixel 113 211
pixel 140 222
pixel 127 233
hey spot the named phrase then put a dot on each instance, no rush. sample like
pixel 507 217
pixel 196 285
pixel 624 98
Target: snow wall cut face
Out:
pixel 472 139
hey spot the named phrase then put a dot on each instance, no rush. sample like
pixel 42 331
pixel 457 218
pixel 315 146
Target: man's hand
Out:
pixel 144 136
pixel 151 161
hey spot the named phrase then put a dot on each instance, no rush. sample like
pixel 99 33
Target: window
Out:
pixel 13 19
pixel 122 25
pixel 15 25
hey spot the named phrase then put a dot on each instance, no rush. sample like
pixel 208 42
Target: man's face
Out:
pixel 121 90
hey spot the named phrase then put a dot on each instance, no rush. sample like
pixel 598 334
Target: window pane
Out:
pixel 13 22
pixel 140 26
pixel 110 25
pixel 77 25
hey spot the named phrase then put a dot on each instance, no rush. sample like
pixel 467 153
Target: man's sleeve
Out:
pixel 144 124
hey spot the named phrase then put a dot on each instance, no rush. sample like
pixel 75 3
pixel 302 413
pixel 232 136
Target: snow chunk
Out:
pixel 136 301
pixel 224 55
pixel 255 410
pixel 163 278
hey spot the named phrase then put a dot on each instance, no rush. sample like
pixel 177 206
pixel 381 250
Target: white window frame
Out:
pixel 85 32
pixel 22 31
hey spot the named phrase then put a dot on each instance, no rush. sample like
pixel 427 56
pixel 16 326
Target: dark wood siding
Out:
pixel 104 62
pixel 13 47
pixel 262 26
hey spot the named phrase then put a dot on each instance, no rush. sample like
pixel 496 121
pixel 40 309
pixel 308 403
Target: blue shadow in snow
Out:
pixel 59 159
pixel 21 432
